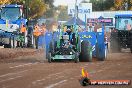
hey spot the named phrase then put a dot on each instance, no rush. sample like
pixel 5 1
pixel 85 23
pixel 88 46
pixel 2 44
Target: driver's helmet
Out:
pixel 68 30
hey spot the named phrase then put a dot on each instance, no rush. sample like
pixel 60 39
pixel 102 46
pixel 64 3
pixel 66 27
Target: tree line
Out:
pixel 36 8
pixel 46 9
pixel 111 5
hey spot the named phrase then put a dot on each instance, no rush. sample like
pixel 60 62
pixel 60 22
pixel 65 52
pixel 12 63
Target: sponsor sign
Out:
pixel 107 21
pixel 83 8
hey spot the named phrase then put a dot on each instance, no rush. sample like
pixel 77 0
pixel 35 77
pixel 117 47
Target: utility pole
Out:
pixel 129 5
pixel 75 16
pixel 27 9
pixel 103 5
pixel 126 5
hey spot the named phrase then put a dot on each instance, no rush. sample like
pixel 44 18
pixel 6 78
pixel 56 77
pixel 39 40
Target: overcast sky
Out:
pixel 65 2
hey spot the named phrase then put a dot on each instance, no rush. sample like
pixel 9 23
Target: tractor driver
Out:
pixel 69 32
pixel 72 38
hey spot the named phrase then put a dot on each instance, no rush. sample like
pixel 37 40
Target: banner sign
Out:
pixel 107 21
pixel 82 8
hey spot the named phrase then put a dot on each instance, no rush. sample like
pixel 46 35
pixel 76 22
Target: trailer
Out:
pixel 11 19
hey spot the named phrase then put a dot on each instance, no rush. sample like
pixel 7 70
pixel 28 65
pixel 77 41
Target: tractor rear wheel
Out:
pixel 6 46
pixel 86 52
pixel 115 47
pixel 114 43
pixel 9 45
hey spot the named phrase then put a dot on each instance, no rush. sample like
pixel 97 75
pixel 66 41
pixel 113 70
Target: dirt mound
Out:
pixel 14 53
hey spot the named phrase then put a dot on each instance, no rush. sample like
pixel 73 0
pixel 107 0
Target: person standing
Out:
pixel 36 34
pixel 43 31
pixel 23 35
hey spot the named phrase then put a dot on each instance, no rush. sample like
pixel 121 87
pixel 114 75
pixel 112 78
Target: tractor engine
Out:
pixel 66 48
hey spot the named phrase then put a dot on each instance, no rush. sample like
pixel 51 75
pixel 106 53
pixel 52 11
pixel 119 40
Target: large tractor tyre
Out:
pixel 101 53
pixel 49 57
pixel 76 59
pixel 9 45
pixel 90 55
pixel 79 44
pixel 6 46
pixel 115 46
pixel 105 54
pixel 86 52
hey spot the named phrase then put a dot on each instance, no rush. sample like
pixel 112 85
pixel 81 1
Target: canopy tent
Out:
pixel 72 22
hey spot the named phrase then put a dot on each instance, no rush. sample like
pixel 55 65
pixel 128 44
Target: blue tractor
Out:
pixel 11 18
pixel 121 36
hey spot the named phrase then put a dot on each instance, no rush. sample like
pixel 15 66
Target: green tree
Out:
pixel 108 4
pixel 62 13
pixel 50 12
pixel 120 5
pixel 37 8
pixel 49 2
pixel 101 5
pixel 4 2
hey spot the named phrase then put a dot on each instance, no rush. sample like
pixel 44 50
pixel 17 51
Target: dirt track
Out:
pixel 32 71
